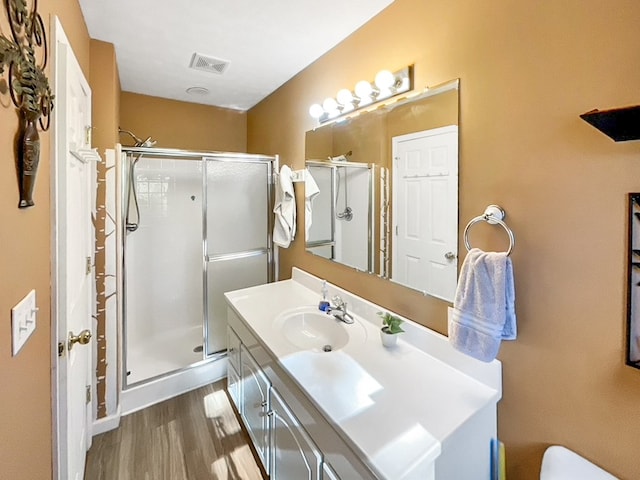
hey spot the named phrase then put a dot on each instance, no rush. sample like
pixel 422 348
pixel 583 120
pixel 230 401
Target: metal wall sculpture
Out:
pixel 28 87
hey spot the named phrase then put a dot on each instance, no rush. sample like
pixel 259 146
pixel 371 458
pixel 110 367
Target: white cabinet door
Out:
pixel 233 348
pixel 294 455
pixel 255 404
pixel 328 473
pixel 233 367
pixel 233 387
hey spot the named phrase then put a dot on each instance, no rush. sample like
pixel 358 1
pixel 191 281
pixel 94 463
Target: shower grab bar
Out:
pixel 493 214
pixel 236 256
pixel 320 243
pixel 326 163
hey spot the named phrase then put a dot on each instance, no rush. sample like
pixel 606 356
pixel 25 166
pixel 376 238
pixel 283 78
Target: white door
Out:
pixel 73 180
pixel 425 211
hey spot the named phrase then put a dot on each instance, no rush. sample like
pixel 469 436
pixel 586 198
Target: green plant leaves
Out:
pixel 391 323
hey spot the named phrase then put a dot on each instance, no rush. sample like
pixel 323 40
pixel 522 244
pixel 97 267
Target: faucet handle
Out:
pixel 337 301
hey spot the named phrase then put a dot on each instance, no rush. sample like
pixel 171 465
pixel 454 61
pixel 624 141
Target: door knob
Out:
pixel 449 255
pixel 82 338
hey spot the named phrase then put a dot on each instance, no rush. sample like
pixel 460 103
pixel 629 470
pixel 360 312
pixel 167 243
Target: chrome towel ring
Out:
pixel 493 214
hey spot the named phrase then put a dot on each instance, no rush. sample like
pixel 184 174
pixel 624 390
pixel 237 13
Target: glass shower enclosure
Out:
pixel 195 225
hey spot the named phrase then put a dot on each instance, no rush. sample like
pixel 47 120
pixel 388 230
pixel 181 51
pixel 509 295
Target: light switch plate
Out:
pixel 23 321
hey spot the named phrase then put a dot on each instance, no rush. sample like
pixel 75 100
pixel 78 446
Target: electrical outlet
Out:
pixel 23 321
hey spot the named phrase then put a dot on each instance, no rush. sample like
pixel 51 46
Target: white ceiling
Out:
pixel 266 42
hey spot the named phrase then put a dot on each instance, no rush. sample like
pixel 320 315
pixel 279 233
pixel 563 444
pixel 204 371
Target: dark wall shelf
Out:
pixel 620 124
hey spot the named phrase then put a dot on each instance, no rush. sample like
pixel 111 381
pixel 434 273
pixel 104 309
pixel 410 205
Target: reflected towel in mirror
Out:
pixel 311 191
pixel 284 228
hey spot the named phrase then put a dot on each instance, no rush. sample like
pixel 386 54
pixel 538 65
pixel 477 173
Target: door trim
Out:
pixel 60 43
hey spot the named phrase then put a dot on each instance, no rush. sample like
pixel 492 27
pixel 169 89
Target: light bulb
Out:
pixel 385 80
pixel 364 89
pixel 345 97
pixel 316 110
pixel 329 104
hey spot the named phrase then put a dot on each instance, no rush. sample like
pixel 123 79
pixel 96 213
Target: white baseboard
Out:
pixel 156 391
pixel 110 422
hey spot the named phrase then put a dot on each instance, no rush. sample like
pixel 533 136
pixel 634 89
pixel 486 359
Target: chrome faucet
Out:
pixel 339 310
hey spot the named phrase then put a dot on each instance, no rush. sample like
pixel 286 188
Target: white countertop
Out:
pixel 396 406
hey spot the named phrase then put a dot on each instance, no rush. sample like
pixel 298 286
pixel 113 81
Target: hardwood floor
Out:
pixel 195 436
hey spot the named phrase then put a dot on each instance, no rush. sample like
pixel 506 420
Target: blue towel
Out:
pixel 483 309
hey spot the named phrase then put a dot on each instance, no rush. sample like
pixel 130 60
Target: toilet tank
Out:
pixel 560 463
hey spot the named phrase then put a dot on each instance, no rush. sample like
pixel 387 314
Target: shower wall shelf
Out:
pixel 620 124
pixel 633 282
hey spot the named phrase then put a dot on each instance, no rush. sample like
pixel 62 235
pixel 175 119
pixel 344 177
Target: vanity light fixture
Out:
pixel 387 84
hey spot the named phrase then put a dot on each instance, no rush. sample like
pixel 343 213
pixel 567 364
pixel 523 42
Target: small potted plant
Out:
pixel 390 329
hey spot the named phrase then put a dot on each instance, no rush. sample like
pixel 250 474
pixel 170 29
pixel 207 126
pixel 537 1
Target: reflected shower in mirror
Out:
pixel 342 213
pixel 388 201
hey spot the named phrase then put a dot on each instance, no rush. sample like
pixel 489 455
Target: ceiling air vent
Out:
pixel 208 64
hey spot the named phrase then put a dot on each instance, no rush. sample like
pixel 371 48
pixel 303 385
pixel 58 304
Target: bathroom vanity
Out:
pixel 322 399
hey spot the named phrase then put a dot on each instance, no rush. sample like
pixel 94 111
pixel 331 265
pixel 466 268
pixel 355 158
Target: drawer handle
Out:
pixel 263 404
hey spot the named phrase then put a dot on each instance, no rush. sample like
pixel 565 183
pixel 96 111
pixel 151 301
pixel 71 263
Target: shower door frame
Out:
pixel 272 163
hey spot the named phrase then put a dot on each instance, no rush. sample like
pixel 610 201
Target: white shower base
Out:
pixel 162 388
pixel 163 353
pixel 166 365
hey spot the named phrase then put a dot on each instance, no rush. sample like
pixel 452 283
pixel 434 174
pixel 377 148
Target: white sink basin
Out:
pixel 310 329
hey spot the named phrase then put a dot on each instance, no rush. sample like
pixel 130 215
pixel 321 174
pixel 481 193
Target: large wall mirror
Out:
pixel 388 181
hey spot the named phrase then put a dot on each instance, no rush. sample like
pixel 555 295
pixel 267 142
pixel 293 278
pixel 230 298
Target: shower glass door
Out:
pixel 237 223
pixel 163 295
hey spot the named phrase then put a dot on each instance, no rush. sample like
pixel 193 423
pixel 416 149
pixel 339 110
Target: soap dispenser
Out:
pixel 324 303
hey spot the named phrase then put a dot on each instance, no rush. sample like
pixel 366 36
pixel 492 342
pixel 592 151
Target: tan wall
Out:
pixel 527 70
pixel 25 380
pixel 183 125
pixel 105 102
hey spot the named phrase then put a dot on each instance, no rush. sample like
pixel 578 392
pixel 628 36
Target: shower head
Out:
pixel 139 143
pixel 147 143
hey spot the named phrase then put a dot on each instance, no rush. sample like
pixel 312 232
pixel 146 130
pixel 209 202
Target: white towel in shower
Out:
pixel 284 229
pixel 484 305
pixel 311 191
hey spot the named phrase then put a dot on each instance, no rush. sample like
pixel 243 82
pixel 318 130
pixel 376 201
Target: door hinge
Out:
pixel 87 134
pixel 89 265
pixel 88 394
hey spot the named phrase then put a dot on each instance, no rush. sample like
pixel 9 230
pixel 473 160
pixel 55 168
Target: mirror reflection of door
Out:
pixel 425 211
pixel 368 139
